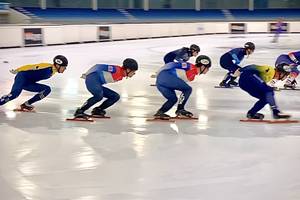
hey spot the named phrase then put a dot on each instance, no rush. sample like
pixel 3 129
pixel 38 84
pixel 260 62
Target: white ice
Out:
pixel 43 157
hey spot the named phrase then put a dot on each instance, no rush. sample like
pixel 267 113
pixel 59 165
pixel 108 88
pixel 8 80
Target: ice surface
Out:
pixel 43 157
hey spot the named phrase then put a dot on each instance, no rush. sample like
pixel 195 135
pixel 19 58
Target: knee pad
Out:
pixel 45 92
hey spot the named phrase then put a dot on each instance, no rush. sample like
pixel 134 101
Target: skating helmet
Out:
pixel 203 60
pixel 283 68
pixel 249 45
pixel 60 60
pixel 195 47
pixel 131 64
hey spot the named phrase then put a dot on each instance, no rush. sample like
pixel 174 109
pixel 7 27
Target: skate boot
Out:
pixel 279 115
pixel 80 114
pixel 98 112
pixel 255 116
pixel 183 113
pixel 161 115
pixel 290 84
pixel 232 82
pixel 224 84
pixel 26 107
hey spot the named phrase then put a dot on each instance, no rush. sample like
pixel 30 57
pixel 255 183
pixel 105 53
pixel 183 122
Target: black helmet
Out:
pixel 203 60
pixel 60 60
pixel 131 64
pixel 249 45
pixel 283 68
pixel 195 47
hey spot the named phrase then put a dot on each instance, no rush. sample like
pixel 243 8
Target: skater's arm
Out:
pixel 293 58
pixel 109 68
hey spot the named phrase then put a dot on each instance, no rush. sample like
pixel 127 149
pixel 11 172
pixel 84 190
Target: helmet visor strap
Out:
pixel 202 70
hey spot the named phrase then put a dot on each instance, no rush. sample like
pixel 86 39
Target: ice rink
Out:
pixel 43 157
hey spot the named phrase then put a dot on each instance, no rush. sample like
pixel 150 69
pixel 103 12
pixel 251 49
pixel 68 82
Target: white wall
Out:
pixel 53 35
pixel 294 27
pixel 257 27
pixel 216 27
pixel 13 35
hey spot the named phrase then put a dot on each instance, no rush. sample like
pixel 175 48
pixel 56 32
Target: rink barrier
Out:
pixel 22 36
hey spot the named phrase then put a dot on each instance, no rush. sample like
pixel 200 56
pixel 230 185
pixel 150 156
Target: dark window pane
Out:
pixel 69 4
pixel 23 3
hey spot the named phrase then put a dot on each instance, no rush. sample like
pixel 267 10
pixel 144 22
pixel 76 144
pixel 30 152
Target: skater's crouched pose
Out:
pixel 231 62
pixel 27 78
pixel 254 80
pixel 173 76
pixel 99 75
pixel 290 62
pixel 182 55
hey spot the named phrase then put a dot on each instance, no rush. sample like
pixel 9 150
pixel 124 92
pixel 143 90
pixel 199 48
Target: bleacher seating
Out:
pixel 156 15
pixel 266 14
pixel 177 15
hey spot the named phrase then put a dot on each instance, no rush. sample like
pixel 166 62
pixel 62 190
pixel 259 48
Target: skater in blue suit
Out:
pixel 95 80
pixel 231 60
pixel 173 76
pixel 253 80
pixel 182 55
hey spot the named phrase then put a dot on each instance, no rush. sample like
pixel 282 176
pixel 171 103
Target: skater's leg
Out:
pixel 16 90
pixel 95 87
pixel 43 91
pixel 112 98
pixel 171 97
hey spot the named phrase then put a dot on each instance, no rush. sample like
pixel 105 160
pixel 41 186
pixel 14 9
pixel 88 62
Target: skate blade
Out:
pixel 255 120
pixel 99 117
pixel 22 110
pixel 184 118
pixel 274 121
pixel 277 89
pixel 160 120
pixel 283 121
pixel 223 87
pixel 80 119
pixel 290 89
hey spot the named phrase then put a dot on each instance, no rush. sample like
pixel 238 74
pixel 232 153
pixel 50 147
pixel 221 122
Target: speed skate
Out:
pixel 23 110
pixel 271 121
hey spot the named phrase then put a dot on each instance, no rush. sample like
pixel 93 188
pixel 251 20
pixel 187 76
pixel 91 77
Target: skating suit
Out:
pixel 231 60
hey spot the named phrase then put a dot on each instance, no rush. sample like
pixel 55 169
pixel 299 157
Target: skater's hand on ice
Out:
pixel 83 76
pixel 153 76
pixel 13 71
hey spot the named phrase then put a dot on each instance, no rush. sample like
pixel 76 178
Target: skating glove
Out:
pixel 13 71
